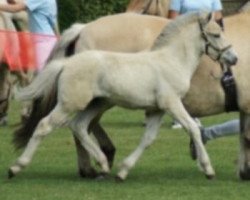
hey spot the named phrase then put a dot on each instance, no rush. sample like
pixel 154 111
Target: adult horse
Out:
pixel 91 82
pixel 132 33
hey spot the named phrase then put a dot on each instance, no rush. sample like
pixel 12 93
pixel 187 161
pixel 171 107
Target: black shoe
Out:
pixel 192 148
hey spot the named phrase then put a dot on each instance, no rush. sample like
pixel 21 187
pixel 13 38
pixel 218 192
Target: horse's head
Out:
pixel 215 45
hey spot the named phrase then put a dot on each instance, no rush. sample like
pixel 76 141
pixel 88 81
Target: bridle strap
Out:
pixel 208 45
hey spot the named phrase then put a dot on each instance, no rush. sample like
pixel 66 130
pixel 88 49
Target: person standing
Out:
pixel 42 16
pixel 179 7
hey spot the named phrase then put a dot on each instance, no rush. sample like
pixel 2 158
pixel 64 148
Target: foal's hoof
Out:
pixel 10 174
pixel 210 177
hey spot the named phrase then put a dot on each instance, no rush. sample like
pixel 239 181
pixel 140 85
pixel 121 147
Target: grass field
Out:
pixel 165 171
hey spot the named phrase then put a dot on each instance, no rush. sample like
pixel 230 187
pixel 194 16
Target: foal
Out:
pixel 90 82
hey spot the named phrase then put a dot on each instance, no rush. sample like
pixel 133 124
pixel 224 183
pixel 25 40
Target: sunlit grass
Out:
pixel 165 170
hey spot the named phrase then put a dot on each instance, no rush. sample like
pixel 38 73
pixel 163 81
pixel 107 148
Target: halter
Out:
pixel 209 44
pixel 227 80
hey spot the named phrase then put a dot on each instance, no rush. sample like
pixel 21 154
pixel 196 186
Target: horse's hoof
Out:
pixel 92 174
pixel 245 176
pixel 10 174
pixel 3 122
pixel 118 179
pixel 210 177
pixel 102 176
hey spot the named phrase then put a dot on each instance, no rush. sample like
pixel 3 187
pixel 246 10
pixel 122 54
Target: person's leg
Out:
pixel 228 128
pixel 177 125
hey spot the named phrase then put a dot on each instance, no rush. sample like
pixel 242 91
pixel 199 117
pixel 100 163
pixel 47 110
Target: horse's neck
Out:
pixel 245 7
pixel 185 49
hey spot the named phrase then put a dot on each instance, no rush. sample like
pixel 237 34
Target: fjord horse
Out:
pixel 133 33
pixel 91 82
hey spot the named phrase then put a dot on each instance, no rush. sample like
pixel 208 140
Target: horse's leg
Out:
pixel 83 159
pixel 244 154
pixel 106 145
pixel 177 110
pixel 80 126
pixel 23 80
pixel 5 90
pixel 153 123
pixel 103 140
pixel 56 118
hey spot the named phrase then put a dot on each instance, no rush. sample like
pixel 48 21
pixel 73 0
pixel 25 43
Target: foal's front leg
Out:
pixel 153 123
pixel 178 111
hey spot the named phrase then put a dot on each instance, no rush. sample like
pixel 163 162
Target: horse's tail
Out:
pixel 43 92
pixel 66 44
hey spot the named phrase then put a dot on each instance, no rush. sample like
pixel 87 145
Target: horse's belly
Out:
pixel 134 101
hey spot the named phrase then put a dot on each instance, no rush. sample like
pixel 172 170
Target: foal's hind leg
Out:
pixel 153 123
pixel 103 140
pixel 178 111
pixel 106 145
pixel 80 126
pixel 56 118
pixel 85 169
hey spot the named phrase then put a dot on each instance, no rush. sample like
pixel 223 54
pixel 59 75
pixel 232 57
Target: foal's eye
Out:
pixel 215 35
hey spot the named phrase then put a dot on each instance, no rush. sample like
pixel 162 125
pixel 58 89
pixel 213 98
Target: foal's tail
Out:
pixel 43 92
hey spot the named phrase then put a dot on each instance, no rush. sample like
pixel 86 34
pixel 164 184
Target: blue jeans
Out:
pixel 228 128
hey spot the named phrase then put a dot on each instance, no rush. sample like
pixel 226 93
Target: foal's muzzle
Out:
pixel 228 57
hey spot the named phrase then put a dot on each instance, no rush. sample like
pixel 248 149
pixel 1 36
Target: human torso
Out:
pixel 184 6
pixel 42 16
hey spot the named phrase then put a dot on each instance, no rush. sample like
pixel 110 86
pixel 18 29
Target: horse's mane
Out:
pixel 245 7
pixel 174 27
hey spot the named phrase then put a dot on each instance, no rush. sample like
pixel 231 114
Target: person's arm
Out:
pixel 219 18
pixel 172 14
pixel 13 7
pixel 174 9
pixel 11 1
pixel 218 15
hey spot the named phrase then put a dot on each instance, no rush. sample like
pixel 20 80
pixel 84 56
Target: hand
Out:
pixel 11 1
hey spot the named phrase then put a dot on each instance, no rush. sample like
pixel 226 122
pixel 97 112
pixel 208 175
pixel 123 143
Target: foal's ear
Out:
pixel 205 18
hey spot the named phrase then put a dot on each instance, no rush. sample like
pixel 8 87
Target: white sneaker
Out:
pixel 176 125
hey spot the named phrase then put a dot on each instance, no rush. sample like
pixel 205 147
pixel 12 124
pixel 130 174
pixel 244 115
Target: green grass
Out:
pixel 165 170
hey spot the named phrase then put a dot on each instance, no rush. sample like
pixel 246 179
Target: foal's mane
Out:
pixel 174 28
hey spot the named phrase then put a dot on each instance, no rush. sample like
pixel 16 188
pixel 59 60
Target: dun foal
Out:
pixel 88 83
